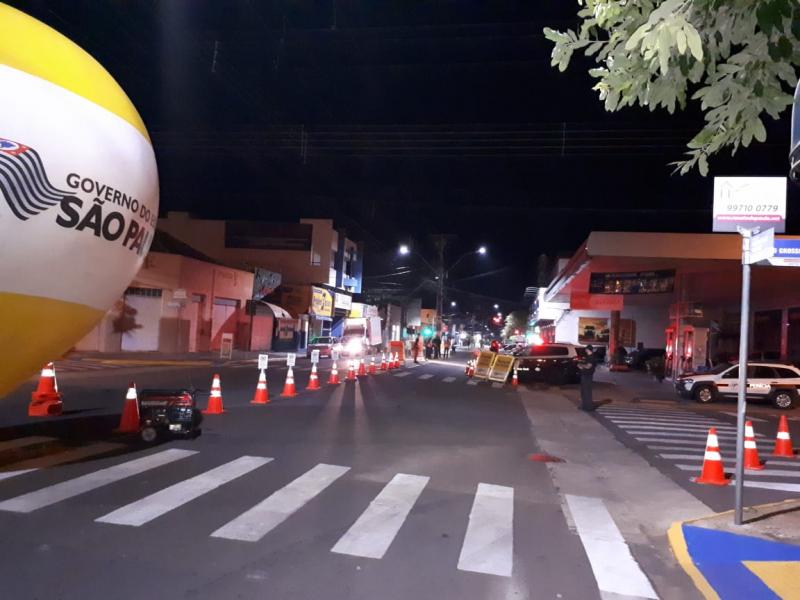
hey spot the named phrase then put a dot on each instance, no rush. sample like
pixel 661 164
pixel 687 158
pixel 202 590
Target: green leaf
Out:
pixel 681 39
pixel 637 36
pixel 758 130
pixel 694 41
pixel 702 164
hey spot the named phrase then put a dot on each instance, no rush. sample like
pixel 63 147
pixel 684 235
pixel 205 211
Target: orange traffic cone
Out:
pixel 313 380
pixel 372 368
pixel 129 421
pixel 215 399
pixel 515 379
pixel 397 363
pixel 384 367
pixel 334 378
pixel 713 472
pixel 351 371
pixel 288 387
pixel 46 400
pixel 262 393
pixel 783 442
pixel 751 460
pixel 362 368
pixel 466 367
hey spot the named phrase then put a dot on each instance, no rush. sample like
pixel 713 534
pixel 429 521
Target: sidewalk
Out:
pixel 642 501
pixel 757 560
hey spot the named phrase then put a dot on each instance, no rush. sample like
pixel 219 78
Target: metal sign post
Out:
pixel 744 336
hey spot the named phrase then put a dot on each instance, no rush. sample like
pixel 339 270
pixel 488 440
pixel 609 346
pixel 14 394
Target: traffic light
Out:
pixel 427 332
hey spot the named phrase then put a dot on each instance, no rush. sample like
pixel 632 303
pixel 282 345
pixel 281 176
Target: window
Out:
pixel 732 374
pixel 316 259
pixel 137 291
pixel 784 373
pixel 761 372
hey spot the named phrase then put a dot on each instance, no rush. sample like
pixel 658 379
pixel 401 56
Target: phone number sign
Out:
pixel 749 202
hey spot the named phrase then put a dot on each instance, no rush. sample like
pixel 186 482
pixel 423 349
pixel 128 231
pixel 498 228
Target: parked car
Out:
pixel 774 382
pixel 325 344
pixel 551 363
pixel 637 359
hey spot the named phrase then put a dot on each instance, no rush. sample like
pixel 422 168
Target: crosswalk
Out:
pixel 679 437
pixel 488 529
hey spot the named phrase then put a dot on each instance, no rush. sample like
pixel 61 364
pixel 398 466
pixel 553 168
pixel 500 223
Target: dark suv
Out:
pixel 551 363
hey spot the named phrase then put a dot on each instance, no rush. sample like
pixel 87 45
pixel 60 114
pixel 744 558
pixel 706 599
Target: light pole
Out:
pixel 440 271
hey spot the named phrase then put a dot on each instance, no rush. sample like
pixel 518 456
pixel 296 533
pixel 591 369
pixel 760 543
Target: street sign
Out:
pixel 291 358
pixel 786 253
pixel 263 361
pixel 335 354
pixel 179 294
pixel 762 246
pixel 315 356
pixel 749 202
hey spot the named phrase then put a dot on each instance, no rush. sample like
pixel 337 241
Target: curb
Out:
pixel 681 551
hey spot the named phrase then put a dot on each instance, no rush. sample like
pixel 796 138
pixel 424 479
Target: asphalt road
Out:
pixel 408 484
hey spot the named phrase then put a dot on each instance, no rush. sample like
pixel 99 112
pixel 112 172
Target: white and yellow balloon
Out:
pixel 78 194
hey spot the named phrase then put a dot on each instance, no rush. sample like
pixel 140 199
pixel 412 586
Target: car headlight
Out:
pixel 354 346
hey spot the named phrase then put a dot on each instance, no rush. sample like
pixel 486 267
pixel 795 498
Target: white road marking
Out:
pixel 10 474
pixel 489 542
pixel 372 534
pixel 449 379
pixel 764 473
pixel 472 382
pixel 257 522
pixel 749 418
pixel 645 411
pixel 497 385
pixel 690 434
pixel 426 376
pixel 403 374
pixel 665 421
pixel 86 483
pixel 697 457
pixel 145 510
pixel 614 567
pixel 768 485
pixel 675 427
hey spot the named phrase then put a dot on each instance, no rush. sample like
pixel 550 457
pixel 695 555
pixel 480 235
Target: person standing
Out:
pixel 446 346
pixel 415 349
pixel 587 367
pixel 437 346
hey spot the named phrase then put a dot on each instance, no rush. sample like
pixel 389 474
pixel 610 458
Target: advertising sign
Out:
pixel 226 346
pixel 592 330
pixel 342 301
pixel 291 359
pixel 785 253
pixel 321 302
pixel 264 283
pixel 637 282
pixel 315 356
pixel 263 361
pixel 749 202
pixel 587 301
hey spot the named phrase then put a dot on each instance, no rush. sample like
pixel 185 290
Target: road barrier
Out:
pixel 262 393
pixel 215 398
pixel 46 400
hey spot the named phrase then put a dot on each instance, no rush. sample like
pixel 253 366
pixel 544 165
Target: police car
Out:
pixel 775 382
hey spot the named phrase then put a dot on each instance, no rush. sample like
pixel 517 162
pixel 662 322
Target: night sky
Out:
pixel 398 119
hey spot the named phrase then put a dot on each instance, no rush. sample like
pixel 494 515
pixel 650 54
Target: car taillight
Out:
pixel 184 400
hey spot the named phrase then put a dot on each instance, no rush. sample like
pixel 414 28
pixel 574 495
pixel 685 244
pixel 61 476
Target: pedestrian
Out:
pixel 415 349
pixel 446 345
pixel 587 367
pixel 437 346
pixel 495 346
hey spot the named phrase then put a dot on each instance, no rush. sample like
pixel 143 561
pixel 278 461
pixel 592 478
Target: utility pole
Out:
pixel 441 241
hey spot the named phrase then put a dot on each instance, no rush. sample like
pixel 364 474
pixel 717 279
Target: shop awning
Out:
pixel 278 312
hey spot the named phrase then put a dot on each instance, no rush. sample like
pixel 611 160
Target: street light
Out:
pixel 482 250
pixel 497 307
pixel 404 249
pixel 453 303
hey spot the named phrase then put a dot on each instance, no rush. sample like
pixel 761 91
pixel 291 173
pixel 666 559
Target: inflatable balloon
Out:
pixel 78 194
